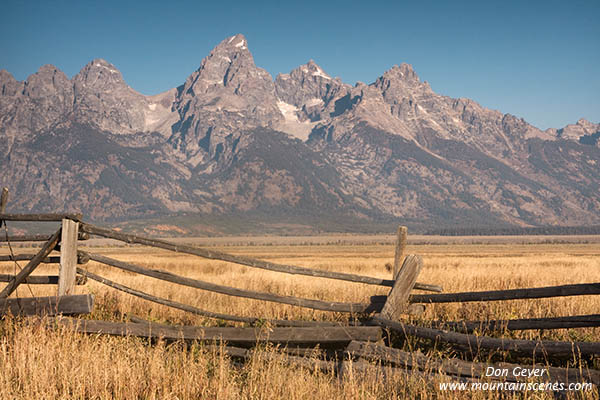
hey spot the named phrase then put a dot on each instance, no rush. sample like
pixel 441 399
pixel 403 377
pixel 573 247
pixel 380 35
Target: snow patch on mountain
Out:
pixel 291 124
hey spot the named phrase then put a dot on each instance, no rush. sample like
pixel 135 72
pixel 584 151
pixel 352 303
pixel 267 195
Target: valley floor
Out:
pixel 37 361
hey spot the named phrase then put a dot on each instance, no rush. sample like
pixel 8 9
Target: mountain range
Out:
pixel 232 149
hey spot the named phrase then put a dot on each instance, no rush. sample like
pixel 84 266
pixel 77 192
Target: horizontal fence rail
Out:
pixel 297 333
pixel 27 257
pixel 227 290
pixel 41 279
pixel 475 342
pixel 31 265
pixel 194 310
pixel 325 336
pixel 247 261
pixel 53 305
pixel 40 217
pixel 24 238
pixel 36 238
pixel 81 258
pixel 575 321
pixel 581 289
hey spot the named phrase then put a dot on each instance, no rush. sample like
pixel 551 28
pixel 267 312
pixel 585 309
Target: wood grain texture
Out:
pixel 574 321
pixel 3 200
pixel 245 337
pixel 400 249
pixel 68 257
pixel 42 279
pixel 581 289
pixel 53 305
pixel 525 347
pixel 81 258
pixel 37 238
pixel 28 257
pixel 397 300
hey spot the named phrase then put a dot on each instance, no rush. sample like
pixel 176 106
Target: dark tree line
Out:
pixel 538 230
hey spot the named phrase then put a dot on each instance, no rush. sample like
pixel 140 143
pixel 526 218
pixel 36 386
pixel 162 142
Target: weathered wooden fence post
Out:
pixel 3 200
pixel 400 249
pixel 68 257
pixel 397 300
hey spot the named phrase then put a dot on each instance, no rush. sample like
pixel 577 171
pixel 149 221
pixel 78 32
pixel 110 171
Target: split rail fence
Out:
pixel 368 319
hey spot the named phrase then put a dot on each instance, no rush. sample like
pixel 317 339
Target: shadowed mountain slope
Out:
pixel 304 148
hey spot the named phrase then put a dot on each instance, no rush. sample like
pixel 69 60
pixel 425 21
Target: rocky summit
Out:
pixel 232 146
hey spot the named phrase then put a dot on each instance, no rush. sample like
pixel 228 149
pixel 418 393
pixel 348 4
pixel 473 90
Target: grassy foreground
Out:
pixel 41 362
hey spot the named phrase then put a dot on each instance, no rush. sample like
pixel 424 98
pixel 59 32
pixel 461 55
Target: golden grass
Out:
pixel 38 362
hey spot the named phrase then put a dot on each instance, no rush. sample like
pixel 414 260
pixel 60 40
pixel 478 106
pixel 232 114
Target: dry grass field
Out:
pixel 37 361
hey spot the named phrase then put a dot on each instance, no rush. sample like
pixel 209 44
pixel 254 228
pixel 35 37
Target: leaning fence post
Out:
pixel 397 300
pixel 400 249
pixel 68 257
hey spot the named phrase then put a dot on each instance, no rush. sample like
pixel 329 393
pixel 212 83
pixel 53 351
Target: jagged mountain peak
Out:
pixel 98 72
pixel 389 149
pixel 49 81
pixel 48 68
pixel 404 71
pixel 402 74
pixel 47 75
pixel 236 42
pixel 307 96
pixel 311 68
pixel 9 86
pixel 400 84
pixel 5 75
pixel 586 124
pixel 104 100
pixel 229 64
pixel 34 104
pixel 234 49
pixel 227 94
pixel 308 84
pixel 582 131
pixel 101 62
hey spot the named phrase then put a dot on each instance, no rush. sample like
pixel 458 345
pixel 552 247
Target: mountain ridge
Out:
pixel 234 140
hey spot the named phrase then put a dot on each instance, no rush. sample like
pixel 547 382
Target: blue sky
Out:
pixel 539 60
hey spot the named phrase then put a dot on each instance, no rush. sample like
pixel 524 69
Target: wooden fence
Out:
pixel 381 311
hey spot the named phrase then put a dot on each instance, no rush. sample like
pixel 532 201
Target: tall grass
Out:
pixel 41 361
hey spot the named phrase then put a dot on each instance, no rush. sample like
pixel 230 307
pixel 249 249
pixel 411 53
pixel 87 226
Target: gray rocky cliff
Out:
pixel 103 99
pixel 306 146
pixel 582 131
pixel 44 99
pixel 227 94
